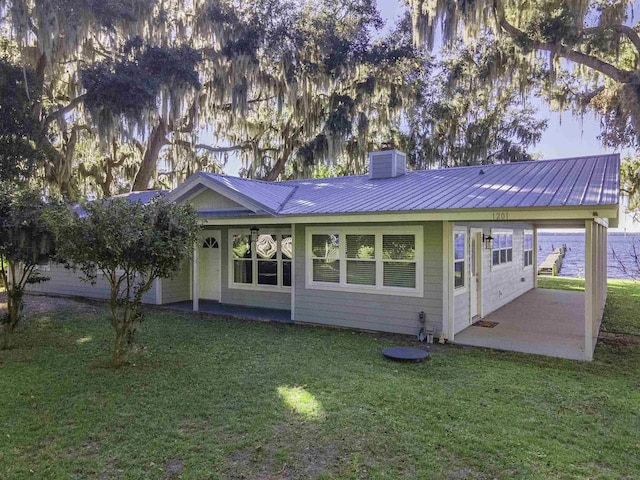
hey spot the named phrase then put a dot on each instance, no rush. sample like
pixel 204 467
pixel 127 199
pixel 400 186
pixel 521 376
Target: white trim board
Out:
pixel 575 216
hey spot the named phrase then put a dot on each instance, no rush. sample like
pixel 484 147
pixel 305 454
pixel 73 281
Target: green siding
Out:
pixel 387 313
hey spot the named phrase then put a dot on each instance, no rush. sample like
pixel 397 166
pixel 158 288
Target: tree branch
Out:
pixel 620 76
pixel 631 34
pixel 63 111
pixel 102 50
pixel 209 148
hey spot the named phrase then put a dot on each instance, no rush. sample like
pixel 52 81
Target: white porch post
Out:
pixel 194 282
pixel 598 280
pixel 605 265
pixel 602 279
pixel 447 280
pixel 294 240
pixel 588 288
pixel 535 257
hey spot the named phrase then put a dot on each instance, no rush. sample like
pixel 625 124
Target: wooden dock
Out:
pixel 553 263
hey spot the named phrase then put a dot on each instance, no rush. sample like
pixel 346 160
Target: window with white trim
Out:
pixel 459 257
pixel 528 248
pixel 399 261
pixel 267 265
pixel 502 247
pixel 378 260
pixel 210 242
pixel 325 257
pixel 361 259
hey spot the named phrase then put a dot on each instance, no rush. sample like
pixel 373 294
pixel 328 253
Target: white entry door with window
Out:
pixel 209 266
pixel 475 267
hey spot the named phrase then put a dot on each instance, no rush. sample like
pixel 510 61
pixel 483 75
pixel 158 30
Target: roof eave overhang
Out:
pixel 529 214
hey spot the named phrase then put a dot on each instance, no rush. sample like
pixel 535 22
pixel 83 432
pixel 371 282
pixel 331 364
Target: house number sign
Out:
pixel 500 216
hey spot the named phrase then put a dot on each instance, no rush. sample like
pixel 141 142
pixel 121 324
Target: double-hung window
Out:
pixel 459 257
pixel 265 265
pixel 325 257
pixel 528 248
pixel 361 259
pixel 399 265
pixel 502 249
pixel 365 259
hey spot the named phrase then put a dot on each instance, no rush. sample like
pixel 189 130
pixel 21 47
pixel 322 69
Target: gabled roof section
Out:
pixel 579 181
pixel 256 196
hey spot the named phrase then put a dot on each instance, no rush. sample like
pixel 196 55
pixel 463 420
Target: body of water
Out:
pixel 573 264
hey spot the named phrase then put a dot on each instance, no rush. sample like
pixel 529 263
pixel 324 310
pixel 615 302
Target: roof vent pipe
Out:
pixel 387 164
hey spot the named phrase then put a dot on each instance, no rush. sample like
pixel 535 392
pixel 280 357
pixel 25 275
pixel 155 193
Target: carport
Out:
pixel 553 325
pixel 556 323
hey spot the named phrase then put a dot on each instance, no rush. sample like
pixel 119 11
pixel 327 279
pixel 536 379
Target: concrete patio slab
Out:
pixel 542 322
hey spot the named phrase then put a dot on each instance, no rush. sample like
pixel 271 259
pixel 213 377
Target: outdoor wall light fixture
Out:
pixel 488 241
pixel 254 233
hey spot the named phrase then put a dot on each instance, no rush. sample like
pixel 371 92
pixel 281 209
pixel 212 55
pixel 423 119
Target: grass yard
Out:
pixel 210 397
pixel 622 314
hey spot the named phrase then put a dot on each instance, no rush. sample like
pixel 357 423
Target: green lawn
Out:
pixel 210 397
pixel 622 314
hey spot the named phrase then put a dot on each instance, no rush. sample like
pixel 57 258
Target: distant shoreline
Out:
pixel 611 231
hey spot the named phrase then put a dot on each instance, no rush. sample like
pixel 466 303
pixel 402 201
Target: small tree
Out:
pixel 130 244
pixel 629 262
pixel 25 242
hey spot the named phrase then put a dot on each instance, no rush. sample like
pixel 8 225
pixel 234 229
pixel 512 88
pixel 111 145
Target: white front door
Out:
pixel 209 266
pixel 475 267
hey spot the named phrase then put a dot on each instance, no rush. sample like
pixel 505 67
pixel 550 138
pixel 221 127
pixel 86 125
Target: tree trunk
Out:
pixel 14 303
pixel 278 168
pixel 118 348
pixel 157 140
pixel 6 328
pixel 108 178
pixel 40 69
pixel 58 170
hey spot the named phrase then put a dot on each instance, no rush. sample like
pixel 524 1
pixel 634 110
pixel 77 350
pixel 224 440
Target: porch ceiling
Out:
pixel 542 322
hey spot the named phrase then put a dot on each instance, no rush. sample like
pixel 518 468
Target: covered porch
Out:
pixel 555 323
pixel 542 322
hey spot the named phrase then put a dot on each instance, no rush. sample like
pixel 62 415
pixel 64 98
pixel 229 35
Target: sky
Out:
pixel 565 136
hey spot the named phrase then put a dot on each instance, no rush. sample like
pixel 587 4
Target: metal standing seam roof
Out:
pixel 271 195
pixel 579 181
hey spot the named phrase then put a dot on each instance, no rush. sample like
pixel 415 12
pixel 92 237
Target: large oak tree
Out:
pixel 284 84
pixel 588 49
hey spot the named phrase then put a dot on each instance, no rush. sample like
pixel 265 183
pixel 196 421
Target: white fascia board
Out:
pixel 184 189
pixel 196 183
pixel 527 215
